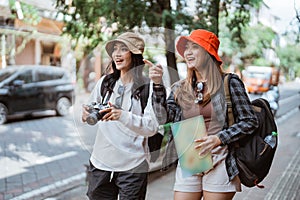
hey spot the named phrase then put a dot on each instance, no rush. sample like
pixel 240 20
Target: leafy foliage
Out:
pixel 84 21
pixel 237 13
pixel 257 39
pixel 31 14
pixel 289 58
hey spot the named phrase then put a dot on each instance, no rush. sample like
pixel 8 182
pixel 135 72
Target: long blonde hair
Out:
pixel 210 71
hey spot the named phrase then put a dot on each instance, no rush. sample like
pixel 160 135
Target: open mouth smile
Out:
pixel 118 61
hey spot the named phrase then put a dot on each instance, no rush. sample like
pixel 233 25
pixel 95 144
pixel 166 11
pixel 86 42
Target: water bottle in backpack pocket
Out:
pixel 271 139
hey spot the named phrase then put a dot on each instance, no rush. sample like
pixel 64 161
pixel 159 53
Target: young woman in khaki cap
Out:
pixel 119 160
pixel 202 93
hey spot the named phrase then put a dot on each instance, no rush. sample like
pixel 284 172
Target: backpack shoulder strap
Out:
pixel 228 99
pixel 144 95
pixel 106 88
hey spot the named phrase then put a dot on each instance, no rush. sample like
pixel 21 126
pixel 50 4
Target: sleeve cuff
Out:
pixel 222 138
pixel 124 118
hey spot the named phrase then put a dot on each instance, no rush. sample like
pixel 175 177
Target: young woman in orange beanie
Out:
pixel 202 93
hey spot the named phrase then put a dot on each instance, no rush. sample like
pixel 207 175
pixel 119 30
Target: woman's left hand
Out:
pixel 155 72
pixel 206 144
pixel 112 113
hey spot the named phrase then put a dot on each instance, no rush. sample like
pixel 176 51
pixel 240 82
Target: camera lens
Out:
pixel 92 119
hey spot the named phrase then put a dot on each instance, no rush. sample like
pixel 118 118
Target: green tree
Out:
pixel 237 14
pixel 257 39
pixel 82 18
pixel 30 13
pixel 289 59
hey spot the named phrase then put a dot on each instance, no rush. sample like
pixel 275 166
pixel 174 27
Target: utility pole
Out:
pixel 3 52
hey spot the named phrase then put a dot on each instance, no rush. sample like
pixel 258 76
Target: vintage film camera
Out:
pixel 94 115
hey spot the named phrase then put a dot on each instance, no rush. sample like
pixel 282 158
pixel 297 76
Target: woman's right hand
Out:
pixel 206 144
pixel 85 112
pixel 155 72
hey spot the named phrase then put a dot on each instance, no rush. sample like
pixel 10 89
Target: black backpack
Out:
pixel 155 141
pixel 253 155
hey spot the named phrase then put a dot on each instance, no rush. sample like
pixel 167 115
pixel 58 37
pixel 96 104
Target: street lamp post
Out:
pixel 3 47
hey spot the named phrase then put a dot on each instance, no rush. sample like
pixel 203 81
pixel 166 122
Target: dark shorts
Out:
pixel 129 185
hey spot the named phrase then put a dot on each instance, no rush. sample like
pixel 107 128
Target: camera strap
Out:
pixel 106 97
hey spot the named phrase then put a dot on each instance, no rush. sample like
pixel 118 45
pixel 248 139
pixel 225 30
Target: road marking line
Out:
pixel 48 188
pixel 57 157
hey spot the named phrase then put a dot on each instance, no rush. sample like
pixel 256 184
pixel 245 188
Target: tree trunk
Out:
pixel 169 34
pixel 170 55
pixel 214 13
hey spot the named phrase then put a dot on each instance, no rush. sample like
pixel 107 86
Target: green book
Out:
pixel 185 132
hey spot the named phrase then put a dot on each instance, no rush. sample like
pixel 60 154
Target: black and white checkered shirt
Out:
pixel 246 121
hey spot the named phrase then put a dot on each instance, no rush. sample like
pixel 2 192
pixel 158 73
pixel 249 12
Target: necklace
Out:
pixel 199 92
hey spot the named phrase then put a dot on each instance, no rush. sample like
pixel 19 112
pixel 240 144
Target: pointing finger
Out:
pixel 147 62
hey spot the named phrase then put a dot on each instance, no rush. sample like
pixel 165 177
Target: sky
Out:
pixel 284 10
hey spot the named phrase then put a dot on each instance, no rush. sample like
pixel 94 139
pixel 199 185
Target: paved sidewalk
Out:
pixel 282 183
pixel 159 188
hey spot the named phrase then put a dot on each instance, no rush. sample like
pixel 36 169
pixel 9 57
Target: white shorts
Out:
pixel 216 180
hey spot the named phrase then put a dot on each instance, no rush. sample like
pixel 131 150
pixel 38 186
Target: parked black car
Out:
pixel 26 89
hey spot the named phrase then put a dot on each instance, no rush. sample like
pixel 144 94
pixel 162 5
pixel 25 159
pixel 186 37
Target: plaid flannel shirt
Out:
pixel 246 122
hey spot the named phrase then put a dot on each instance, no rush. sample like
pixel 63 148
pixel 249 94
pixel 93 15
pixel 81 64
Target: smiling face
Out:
pixel 121 57
pixel 194 55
